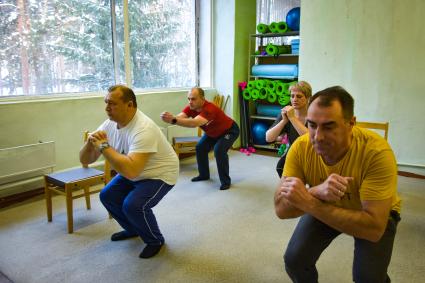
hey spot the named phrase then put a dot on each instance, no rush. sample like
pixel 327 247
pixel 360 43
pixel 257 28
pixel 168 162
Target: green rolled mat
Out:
pixel 280 88
pixel 271 85
pixel 282 27
pixel 273 27
pixel 263 28
pixel 251 84
pixel 292 83
pixel 271 96
pixel 263 93
pixel 284 99
pixel 274 50
pixel 286 88
pixel 259 84
pixel 254 94
pixel 246 94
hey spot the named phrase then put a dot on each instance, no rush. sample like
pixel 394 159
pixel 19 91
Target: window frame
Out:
pixel 198 5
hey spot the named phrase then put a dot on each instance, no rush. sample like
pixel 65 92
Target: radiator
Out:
pixel 26 162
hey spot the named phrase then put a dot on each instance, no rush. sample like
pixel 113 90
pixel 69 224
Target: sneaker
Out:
pixel 224 187
pixel 150 251
pixel 123 235
pixel 199 178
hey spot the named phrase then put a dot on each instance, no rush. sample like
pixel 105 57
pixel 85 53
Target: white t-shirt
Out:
pixel 141 134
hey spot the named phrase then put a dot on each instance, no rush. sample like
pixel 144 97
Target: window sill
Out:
pixel 86 95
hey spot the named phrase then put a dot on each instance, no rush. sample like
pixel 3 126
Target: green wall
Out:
pixel 233 22
pixel 375 49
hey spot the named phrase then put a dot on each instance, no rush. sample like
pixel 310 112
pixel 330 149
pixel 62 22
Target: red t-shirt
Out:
pixel 218 122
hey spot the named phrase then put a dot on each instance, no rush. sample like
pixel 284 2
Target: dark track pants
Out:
pixel 311 237
pixel 130 204
pixel 221 146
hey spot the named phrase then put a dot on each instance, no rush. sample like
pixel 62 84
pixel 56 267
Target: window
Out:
pixel 63 46
pixel 54 46
pixel 269 11
pixel 162 43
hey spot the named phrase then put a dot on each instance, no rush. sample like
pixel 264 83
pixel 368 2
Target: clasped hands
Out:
pixel 295 192
pixel 97 138
pixel 288 111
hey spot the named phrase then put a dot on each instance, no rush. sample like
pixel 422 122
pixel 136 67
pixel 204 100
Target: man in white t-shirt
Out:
pixel 146 164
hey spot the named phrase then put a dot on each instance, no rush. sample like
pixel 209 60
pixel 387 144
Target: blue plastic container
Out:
pixel 295 46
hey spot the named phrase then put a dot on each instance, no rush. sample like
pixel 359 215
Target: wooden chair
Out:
pixel 188 144
pixel 375 126
pixel 68 183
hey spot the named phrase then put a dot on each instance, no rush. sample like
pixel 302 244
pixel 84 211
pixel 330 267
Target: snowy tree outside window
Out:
pixel 51 46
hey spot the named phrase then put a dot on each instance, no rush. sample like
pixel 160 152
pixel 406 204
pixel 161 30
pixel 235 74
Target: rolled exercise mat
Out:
pixel 246 94
pixel 284 100
pixel 263 28
pixel 291 84
pixel 268 110
pixel 273 27
pixel 262 93
pixel 275 71
pixel 254 94
pixel 275 50
pixel 271 96
pixel 282 27
pixel 251 84
pixel 286 88
pixel 271 85
pixel 281 88
pixel 260 84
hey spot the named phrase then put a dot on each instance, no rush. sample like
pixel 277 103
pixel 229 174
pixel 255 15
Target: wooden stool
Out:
pixel 185 144
pixel 68 182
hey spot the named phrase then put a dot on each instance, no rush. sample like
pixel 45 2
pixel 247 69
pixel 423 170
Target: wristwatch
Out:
pixel 103 146
pixel 174 121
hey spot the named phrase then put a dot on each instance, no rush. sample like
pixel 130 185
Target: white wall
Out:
pixel 374 49
pixel 224 45
pixel 64 120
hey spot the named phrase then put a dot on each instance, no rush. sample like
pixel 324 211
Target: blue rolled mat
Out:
pixel 275 71
pixel 268 110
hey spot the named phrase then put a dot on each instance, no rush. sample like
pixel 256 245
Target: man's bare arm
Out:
pixel 129 166
pixel 88 153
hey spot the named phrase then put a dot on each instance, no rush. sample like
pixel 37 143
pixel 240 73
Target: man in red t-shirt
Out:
pixel 220 132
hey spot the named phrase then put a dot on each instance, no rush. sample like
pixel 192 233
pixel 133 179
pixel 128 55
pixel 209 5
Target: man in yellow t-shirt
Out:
pixel 340 179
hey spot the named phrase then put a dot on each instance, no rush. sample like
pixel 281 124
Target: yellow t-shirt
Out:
pixel 370 161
